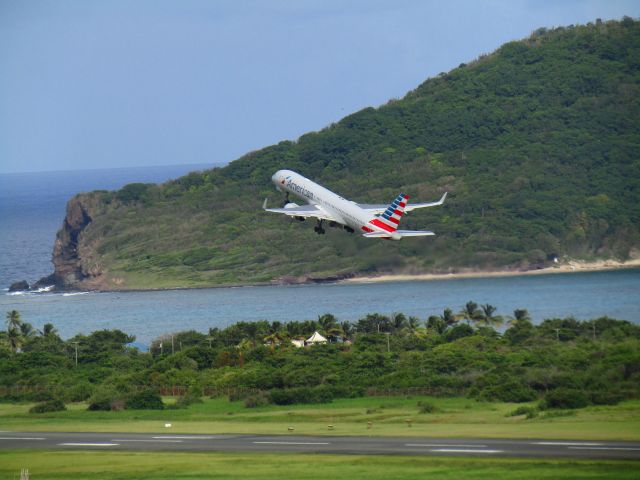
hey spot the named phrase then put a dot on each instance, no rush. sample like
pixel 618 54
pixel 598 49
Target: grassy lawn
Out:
pixel 454 417
pixel 126 465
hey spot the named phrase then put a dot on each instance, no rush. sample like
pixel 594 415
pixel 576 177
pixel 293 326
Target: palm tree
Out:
pixel 275 327
pixel 470 312
pixel 246 344
pixel 48 330
pixel 487 317
pixel 27 331
pixel 398 321
pixel 520 316
pixel 436 323
pixel 334 333
pixel 274 339
pixel 448 317
pixel 346 328
pixel 14 338
pixel 327 322
pixel 414 323
pixel 13 320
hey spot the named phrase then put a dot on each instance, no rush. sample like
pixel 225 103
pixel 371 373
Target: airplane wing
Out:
pixel 398 234
pixel 378 209
pixel 304 211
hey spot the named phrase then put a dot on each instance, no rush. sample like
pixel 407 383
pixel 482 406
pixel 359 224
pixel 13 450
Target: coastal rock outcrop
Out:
pixel 70 268
pixel 19 286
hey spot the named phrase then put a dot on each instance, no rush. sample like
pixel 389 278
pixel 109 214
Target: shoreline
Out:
pixel 572 266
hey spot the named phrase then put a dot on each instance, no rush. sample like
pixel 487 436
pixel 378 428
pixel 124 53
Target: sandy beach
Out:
pixel 565 266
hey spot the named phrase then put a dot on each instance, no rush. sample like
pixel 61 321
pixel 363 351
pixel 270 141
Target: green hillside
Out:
pixel 537 144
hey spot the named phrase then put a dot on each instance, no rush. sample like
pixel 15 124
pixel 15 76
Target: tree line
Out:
pixel 464 353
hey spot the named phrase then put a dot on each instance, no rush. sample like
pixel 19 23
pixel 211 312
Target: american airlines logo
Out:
pixel 302 191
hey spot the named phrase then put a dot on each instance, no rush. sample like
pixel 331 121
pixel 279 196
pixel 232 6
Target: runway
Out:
pixel 570 449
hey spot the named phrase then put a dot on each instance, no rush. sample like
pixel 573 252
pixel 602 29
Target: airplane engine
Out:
pixel 291 205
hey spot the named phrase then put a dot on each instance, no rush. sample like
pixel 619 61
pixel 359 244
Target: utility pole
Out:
pixel 76 346
pixel 172 350
pixel 594 331
pixel 209 338
pixel 557 334
pixel 388 347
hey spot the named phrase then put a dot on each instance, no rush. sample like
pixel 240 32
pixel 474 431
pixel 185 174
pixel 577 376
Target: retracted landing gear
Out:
pixel 318 228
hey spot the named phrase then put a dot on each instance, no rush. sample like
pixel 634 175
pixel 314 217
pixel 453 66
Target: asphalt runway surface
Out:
pixel 323 444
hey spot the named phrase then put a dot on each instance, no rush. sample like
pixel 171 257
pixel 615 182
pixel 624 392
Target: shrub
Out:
pixel 509 391
pixel 426 407
pixel 133 192
pixel 193 395
pixel 104 399
pixel 260 399
pixel 241 394
pixel 289 396
pixel 103 404
pixel 144 400
pixel 79 392
pixel 565 398
pixel 528 411
pixel 56 405
pixel 606 398
pixel 459 331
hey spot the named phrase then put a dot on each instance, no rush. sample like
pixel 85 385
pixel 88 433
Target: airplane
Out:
pixel 376 221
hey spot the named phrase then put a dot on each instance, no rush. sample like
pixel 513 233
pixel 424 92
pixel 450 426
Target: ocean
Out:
pixel 32 209
pixel 147 315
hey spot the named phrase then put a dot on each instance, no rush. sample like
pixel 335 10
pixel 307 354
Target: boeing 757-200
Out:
pixel 376 221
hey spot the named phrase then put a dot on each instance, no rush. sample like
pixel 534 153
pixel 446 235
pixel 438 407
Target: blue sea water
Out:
pixel 32 209
pixel 150 314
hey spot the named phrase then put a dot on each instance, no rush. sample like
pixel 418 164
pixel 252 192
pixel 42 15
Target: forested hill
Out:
pixel 537 143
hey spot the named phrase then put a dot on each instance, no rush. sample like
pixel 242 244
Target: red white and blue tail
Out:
pixel 390 218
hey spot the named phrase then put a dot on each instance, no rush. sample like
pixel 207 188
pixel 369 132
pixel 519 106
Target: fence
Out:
pixel 238 392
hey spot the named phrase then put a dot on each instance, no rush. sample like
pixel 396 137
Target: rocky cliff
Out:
pixel 71 258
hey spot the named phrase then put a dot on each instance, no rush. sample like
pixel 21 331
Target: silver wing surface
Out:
pixel 378 209
pixel 304 211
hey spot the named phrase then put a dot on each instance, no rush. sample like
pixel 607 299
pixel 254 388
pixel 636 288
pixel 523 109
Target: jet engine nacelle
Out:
pixel 291 205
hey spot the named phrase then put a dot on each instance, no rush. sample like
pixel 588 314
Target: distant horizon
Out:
pixel 132 167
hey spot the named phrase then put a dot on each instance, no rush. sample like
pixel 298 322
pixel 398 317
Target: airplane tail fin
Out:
pixel 390 218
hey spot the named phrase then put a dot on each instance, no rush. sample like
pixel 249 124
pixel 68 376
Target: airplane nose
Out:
pixel 275 178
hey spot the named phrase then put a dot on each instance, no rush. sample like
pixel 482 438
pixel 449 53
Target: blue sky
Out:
pixel 95 84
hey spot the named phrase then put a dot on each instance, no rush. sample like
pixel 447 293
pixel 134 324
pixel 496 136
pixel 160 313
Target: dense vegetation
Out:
pixel 537 144
pixel 565 363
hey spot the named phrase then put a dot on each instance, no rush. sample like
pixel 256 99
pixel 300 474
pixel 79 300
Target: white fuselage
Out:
pixel 344 211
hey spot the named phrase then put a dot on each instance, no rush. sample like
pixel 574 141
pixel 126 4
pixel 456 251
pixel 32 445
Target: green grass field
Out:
pixel 454 417
pixel 126 465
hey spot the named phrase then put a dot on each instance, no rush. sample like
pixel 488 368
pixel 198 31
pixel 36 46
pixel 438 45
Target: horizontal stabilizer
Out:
pixel 378 209
pixel 398 234
pixel 430 204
